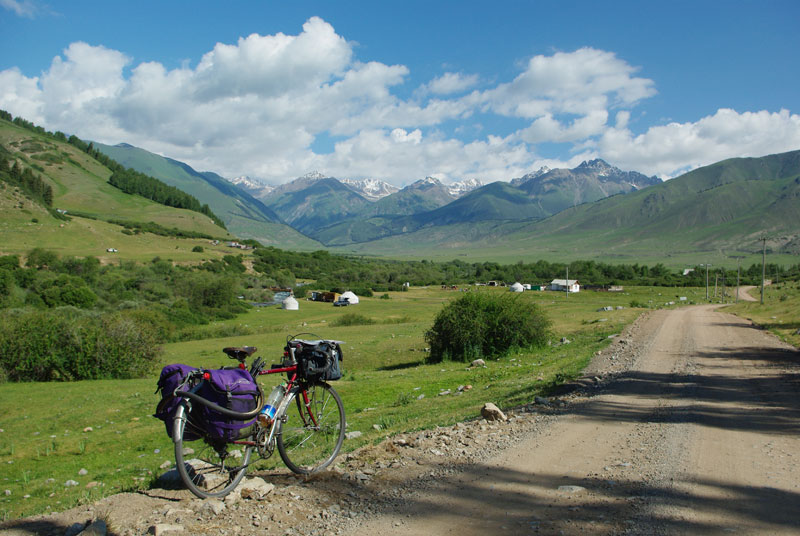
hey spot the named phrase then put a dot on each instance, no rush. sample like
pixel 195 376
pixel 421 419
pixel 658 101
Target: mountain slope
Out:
pixel 534 196
pixel 244 215
pixel 80 186
pixel 313 202
pixel 725 207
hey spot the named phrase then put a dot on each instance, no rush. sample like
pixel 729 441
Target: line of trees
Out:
pixel 126 179
pixel 23 178
pixel 338 271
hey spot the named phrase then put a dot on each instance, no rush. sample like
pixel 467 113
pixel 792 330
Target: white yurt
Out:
pixel 290 304
pixel 351 298
pixel 516 287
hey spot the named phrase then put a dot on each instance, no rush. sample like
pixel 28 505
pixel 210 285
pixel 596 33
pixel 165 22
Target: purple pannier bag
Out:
pixel 233 389
pixel 172 376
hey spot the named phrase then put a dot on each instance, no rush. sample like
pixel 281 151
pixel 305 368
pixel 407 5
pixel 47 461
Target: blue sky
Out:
pixel 400 91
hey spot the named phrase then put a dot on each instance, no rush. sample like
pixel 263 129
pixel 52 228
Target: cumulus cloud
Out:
pixel 258 107
pixel 675 148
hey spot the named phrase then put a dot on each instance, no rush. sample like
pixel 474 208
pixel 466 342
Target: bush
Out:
pixel 486 324
pixel 67 345
pixel 197 249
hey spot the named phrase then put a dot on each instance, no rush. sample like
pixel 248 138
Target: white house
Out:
pixel 565 285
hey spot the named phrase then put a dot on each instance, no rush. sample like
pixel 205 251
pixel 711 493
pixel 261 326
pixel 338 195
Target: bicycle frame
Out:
pixel 307 415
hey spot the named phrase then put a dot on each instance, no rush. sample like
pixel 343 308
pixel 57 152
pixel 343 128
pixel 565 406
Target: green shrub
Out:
pixel 197 249
pixel 67 344
pixel 486 324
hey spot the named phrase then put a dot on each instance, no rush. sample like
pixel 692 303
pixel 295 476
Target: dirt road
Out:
pixel 689 423
pixel 700 436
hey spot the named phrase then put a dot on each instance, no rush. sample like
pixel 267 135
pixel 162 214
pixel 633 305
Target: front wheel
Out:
pixel 311 429
pixel 208 468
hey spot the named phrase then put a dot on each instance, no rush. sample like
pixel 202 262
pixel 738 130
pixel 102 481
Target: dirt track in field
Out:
pixel 689 423
pixel 700 435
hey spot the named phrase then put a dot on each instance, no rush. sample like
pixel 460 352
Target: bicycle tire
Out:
pixel 309 445
pixel 212 470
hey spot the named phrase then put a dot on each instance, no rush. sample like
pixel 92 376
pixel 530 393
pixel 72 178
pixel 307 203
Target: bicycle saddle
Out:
pixel 241 353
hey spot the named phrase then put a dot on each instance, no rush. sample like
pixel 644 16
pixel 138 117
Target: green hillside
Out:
pixel 79 185
pixel 707 215
pixel 244 215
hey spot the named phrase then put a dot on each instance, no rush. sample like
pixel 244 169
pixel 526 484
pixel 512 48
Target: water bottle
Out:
pixel 271 405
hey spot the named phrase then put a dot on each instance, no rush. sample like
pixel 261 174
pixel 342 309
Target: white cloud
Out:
pixel 450 83
pixel 672 149
pixel 23 8
pixel 257 107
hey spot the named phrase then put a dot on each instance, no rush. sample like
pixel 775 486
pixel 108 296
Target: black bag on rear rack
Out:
pixel 320 362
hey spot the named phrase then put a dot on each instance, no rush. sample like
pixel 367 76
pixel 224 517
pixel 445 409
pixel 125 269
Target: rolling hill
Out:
pixel 713 212
pixel 80 186
pixel 244 215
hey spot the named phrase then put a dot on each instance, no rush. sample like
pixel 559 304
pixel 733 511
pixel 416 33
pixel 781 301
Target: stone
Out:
pixel 255 488
pixel 478 363
pixel 352 435
pixel 70 483
pixel 541 401
pixel 565 340
pixel 571 489
pixel 163 528
pixel 88 429
pixel 83 472
pixel 93 484
pixel 490 412
pixel 166 465
pixel 98 528
pixel 213 506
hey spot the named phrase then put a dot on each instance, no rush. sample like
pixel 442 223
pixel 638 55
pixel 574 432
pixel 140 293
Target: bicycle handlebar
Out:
pixel 225 411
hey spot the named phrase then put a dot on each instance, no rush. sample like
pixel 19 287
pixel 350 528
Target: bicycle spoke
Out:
pixel 308 438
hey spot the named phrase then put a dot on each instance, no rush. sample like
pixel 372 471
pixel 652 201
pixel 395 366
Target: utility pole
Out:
pixel 763 267
pixel 716 277
pixel 706 265
pixel 566 284
pixel 738 276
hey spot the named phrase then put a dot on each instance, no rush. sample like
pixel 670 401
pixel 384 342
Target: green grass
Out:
pixel 385 373
pixel 780 313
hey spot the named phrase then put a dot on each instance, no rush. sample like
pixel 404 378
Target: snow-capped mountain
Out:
pixel 372 189
pixel 253 186
pixel 528 176
pixel 457 189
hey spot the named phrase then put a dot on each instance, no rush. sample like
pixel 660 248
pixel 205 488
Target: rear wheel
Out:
pixel 208 468
pixel 311 429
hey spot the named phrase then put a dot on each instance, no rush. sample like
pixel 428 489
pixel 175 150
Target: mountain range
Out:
pixel 593 211
pixel 338 212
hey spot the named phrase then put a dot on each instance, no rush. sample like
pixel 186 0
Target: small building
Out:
pixel 351 298
pixel 328 297
pixel 565 285
pixel 290 304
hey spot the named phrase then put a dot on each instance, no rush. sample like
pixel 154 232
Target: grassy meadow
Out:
pixel 46 438
pixel 780 313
